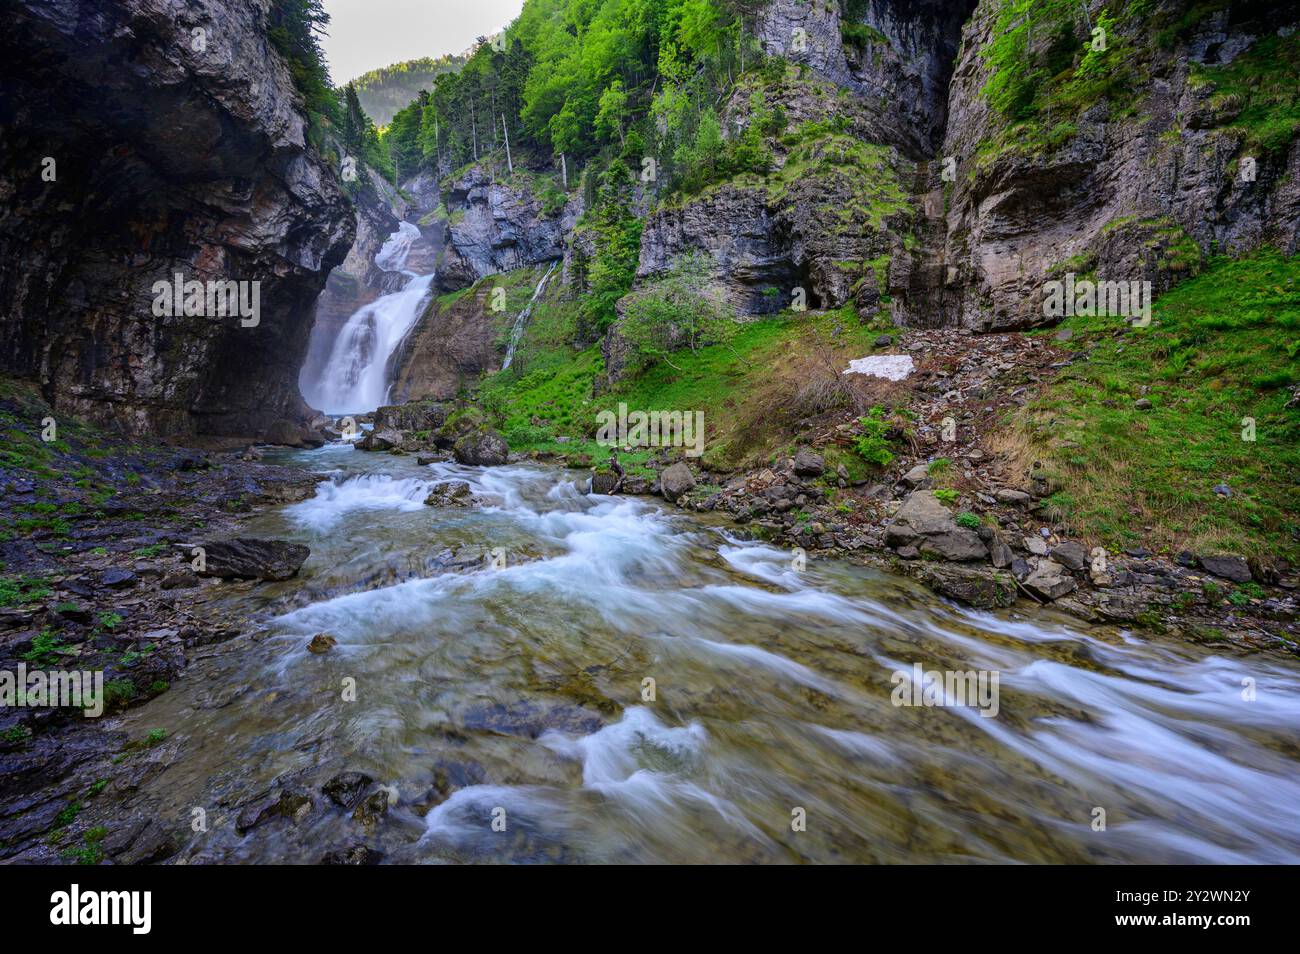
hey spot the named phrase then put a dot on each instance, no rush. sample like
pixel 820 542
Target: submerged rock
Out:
pixel 321 643
pixel 284 804
pixel 346 788
pixel 353 855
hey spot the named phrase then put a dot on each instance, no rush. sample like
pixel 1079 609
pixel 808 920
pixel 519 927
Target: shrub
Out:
pixel 872 444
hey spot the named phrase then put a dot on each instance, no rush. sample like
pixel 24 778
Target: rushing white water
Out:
pixel 357 376
pixel 521 319
pixel 522 689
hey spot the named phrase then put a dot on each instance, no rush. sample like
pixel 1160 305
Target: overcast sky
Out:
pixel 367 34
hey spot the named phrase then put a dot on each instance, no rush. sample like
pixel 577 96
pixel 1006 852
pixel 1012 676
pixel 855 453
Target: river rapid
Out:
pixel 509 712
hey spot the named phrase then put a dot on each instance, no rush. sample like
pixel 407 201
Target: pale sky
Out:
pixel 367 34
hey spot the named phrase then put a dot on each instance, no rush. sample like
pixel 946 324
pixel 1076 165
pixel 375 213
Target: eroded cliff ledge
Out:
pixel 169 154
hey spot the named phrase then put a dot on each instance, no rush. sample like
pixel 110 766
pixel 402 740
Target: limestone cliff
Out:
pixel 500 223
pixel 1144 170
pixel 142 139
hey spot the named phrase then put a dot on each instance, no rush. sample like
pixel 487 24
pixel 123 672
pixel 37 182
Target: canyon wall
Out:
pixel 142 138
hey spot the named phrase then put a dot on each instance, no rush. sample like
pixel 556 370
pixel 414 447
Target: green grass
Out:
pixel 1260 91
pixel 46 648
pixel 1223 347
pixel 741 386
pixel 17 590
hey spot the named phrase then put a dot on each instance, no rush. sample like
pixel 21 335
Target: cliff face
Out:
pixel 498 226
pixel 948 207
pixel 1141 186
pixel 897 54
pixel 141 139
pixel 455 343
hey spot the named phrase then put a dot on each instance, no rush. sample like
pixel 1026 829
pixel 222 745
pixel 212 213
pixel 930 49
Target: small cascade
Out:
pixel 517 332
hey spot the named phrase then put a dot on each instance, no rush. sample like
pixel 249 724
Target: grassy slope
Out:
pixel 1222 347
pixel 743 388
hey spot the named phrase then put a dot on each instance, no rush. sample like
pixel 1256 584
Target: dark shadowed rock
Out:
pixel 372 808
pixel 353 855
pixel 199 151
pixel 1232 568
pixel 247 558
pixel 117 578
pixel 809 464
pixel 284 804
pixel 180 580
pixel 603 481
pixel 346 788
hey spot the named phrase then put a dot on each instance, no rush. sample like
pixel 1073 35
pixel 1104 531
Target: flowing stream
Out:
pixel 357 377
pixel 521 320
pixel 518 695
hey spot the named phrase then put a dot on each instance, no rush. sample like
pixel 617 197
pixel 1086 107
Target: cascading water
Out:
pixel 356 378
pixel 520 684
pixel 517 331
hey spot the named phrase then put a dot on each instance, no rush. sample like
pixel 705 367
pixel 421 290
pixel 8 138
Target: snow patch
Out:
pixel 891 367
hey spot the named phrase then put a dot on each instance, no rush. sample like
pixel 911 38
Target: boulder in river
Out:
pixel 247 558
pixel 676 481
pixel 282 804
pixel 322 643
pixel 481 448
pixel 346 788
pixel 386 439
pixel 449 493
pixel 353 855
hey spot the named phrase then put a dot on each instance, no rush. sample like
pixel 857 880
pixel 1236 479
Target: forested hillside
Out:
pixel 384 91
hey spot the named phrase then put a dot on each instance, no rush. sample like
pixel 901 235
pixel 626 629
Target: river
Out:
pixel 520 691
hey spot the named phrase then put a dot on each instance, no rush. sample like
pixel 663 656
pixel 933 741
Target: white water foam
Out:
pixel 335 500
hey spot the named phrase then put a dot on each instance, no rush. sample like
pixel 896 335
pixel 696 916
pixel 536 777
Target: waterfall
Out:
pixel 517 331
pixel 356 378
